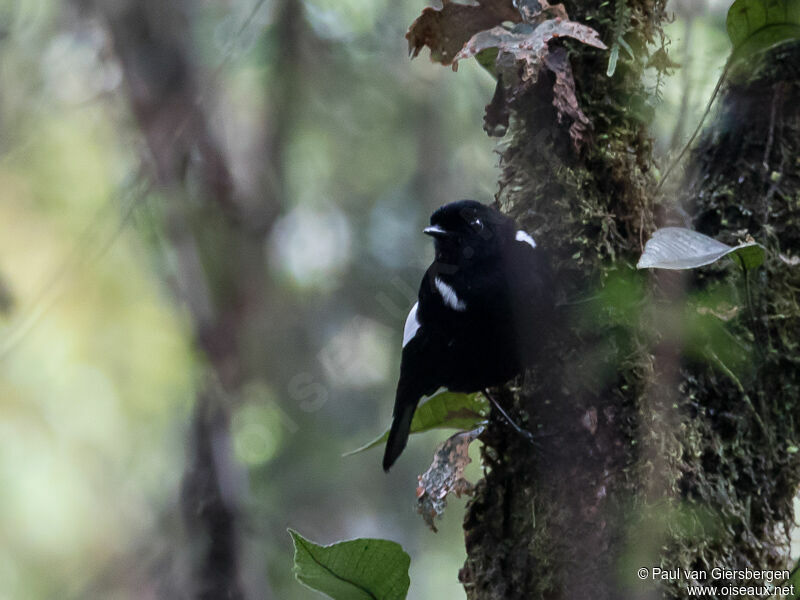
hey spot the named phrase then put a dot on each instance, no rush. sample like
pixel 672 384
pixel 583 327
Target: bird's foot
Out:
pixel 523 432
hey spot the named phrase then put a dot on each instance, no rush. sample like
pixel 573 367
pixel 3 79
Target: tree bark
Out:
pixel 649 453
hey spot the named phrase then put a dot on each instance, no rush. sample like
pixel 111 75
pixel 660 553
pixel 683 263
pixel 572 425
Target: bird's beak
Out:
pixel 436 231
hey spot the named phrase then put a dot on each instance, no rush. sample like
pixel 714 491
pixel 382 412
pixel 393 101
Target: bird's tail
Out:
pixel 398 435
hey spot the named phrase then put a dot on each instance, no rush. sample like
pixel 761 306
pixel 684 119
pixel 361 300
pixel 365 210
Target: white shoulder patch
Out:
pixel 449 295
pixel 525 238
pixel 412 325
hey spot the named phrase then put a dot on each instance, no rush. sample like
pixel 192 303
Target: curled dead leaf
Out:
pixel 535 11
pixel 446 30
pixel 564 98
pixel 515 55
pixel 445 475
pixel 497 113
pixel 529 44
pixel 528 47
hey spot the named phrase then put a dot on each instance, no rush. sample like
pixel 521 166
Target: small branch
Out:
pixel 699 125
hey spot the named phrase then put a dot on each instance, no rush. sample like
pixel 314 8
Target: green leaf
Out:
pixel 612 59
pixel 361 569
pixel 488 59
pixel 627 47
pixel 748 256
pixel 443 410
pixel 754 25
pixel 680 248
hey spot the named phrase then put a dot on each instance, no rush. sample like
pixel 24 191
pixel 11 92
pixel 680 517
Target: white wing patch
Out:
pixel 449 295
pixel 412 325
pixel 525 238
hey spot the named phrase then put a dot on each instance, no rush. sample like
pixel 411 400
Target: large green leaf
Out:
pixel 361 569
pixel 757 24
pixel 443 410
pixel 679 248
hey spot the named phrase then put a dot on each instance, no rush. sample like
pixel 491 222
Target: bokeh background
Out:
pixel 99 369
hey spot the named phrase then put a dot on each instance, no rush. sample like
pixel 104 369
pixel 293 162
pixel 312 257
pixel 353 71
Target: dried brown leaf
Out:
pixel 535 11
pixel 459 31
pixel 445 475
pixel 446 30
pixel 564 98
pixel 529 44
pixel 495 120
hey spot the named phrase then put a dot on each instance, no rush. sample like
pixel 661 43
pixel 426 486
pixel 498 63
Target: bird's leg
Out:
pixel 523 432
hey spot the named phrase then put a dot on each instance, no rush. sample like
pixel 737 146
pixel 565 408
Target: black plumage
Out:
pixel 484 305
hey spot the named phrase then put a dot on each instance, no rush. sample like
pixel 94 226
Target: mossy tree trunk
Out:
pixel 649 453
pixel 741 463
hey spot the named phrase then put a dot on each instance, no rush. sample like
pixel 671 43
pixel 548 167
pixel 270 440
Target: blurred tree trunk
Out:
pixel 218 236
pixel 150 39
pixel 646 456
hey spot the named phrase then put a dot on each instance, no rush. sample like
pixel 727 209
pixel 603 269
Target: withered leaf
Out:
pixel 529 44
pixel 564 98
pixel 534 11
pixel 459 31
pixel 446 30
pixel 495 120
pixel 445 475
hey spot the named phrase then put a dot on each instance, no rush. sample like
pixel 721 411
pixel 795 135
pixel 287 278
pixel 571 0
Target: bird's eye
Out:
pixel 477 224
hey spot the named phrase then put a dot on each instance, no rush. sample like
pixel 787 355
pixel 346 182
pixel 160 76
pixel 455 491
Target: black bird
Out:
pixel 483 307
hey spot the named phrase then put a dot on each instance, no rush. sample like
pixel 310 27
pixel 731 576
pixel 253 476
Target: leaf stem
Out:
pixel 725 369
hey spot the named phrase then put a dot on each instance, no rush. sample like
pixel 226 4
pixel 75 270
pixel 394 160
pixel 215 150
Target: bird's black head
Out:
pixel 467 231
